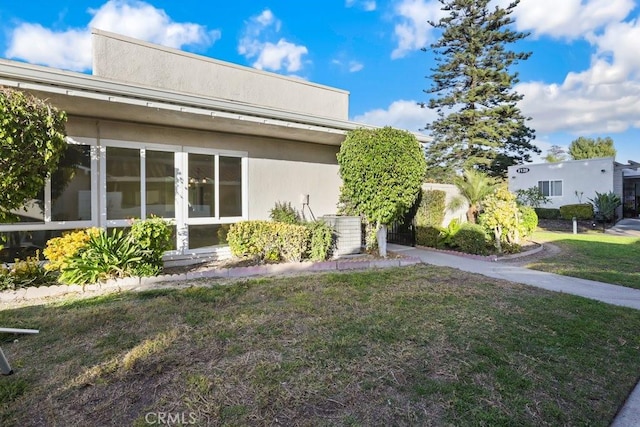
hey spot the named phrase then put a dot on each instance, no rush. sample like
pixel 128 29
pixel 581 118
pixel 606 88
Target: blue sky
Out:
pixel 583 78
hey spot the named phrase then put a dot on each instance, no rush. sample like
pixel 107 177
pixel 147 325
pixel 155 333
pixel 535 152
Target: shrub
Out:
pixel 321 242
pixel 153 236
pixel 605 204
pixel 531 197
pixel 547 213
pixel 429 236
pixel 502 217
pixel 25 273
pixel 431 209
pixel 284 212
pixel 269 241
pixel 60 249
pixel 450 231
pixel 104 257
pixel 580 211
pixel 528 221
pixel 471 239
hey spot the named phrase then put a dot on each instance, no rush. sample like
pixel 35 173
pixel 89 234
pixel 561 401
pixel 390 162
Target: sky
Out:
pixel 583 78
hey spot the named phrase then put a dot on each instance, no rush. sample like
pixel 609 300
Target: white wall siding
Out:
pixel 586 177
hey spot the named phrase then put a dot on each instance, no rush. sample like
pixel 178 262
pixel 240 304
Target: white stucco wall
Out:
pixel 584 176
pixel 133 61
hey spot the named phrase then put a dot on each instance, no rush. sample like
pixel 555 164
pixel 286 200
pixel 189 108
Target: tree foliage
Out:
pixel 382 171
pixel 479 123
pixel 502 216
pixel 474 186
pixel 555 154
pixel 589 148
pixel 32 140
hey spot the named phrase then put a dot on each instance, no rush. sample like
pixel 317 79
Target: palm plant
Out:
pixel 474 186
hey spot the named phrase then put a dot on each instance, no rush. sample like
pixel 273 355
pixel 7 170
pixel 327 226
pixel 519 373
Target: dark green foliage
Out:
pixel 322 240
pixel 382 171
pixel 589 148
pixel 429 236
pixel 284 212
pixel 104 257
pixel 605 205
pixel 479 123
pixel 528 220
pixel 32 139
pixel 547 213
pixel 431 210
pixel 471 239
pixel 154 237
pixel 579 211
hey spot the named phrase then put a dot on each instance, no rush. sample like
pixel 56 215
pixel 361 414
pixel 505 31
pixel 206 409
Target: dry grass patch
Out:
pixel 410 346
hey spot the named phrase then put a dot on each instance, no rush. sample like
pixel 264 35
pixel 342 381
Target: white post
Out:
pixel 381 234
pixel 575 225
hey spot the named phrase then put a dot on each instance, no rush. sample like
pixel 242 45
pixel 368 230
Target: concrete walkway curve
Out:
pixel 626 227
pixel 629 415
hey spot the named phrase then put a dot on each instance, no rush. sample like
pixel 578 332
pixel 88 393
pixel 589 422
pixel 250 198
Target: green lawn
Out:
pixel 594 256
pixel 413 346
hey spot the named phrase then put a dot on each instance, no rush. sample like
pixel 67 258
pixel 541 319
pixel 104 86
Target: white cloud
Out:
pixel 367 5
pixel 71 49
pixel 604 98
pixel 401 114
pixel 269 55
pixel 414 32
pixel 355 66
pixel 569 19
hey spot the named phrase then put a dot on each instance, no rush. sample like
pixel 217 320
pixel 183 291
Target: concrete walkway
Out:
pixel 629 415
pixel 626 227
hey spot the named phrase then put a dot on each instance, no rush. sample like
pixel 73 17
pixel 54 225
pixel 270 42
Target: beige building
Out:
pixel 158 131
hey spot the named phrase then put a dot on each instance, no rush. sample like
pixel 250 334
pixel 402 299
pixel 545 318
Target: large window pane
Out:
pixel 160 184
pixel 71 185
pixel 123 183
pixel 230 186
pixel 201 236
pixel 201 185
pixel 21 244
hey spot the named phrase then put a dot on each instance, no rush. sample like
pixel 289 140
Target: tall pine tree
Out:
pixel 479 124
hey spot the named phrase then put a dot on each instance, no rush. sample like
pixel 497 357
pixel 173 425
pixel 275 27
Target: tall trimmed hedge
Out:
pixel 432 208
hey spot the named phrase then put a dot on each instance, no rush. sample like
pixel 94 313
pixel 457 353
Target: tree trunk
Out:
pixel 471 214
pixel 382 240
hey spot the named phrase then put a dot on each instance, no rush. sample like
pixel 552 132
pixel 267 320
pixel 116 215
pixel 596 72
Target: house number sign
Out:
pixel 522 170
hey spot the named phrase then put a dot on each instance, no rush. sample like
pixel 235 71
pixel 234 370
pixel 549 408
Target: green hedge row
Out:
pixel 275 241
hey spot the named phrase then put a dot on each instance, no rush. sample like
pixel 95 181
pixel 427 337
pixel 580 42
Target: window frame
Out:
pixel 552 185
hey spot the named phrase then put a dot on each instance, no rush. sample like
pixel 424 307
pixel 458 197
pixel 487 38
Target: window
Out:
pixel 550 188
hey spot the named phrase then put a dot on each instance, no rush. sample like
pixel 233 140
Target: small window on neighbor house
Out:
pixel 550 188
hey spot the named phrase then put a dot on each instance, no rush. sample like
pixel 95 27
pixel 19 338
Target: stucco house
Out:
pixel 577 181
pixel 203 142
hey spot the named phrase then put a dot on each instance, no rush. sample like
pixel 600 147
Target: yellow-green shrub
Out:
pixel 60 249
pixel 269 241
pixel 580 211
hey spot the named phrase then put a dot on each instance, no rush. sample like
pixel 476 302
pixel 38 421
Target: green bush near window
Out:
pixel 153 236
pixel 284 212
pixel 105 257
pixel 275 241
pixel 580 211
pixel 547 213
pixel 471 239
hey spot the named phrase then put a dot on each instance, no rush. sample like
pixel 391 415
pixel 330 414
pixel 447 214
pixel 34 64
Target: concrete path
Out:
pixel 626 227
pixel 629 415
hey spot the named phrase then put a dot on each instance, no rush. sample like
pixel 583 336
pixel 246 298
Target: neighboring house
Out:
pixel 575 181
pixel 158 131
